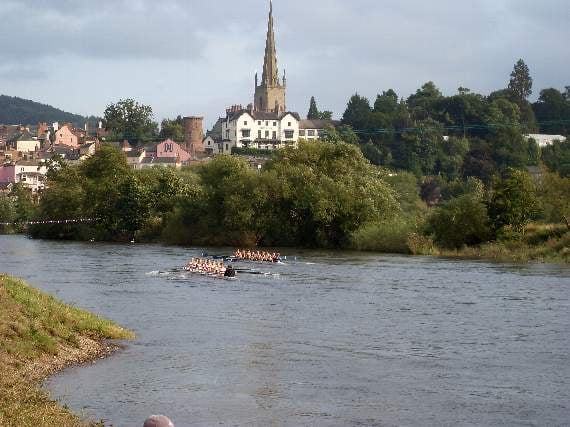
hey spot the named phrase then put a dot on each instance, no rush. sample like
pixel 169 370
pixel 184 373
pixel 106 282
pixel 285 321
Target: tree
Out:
pixel 556 157
pixel 553 111
pixel 450 156
pixel 521 82
pixel 129 120
pixel 7 212
pixel 514 202
pixel 338 134
pixel 321 193
pixel 555 194
pixel 313 113
pixel 418 151
pixel 172 129
pixel 423 102
pixel 509 148
pixel 357 113
pixel 460 221
pixel 24 205
pixel 386 103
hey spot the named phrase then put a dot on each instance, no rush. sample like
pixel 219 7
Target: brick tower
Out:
pixel 194 135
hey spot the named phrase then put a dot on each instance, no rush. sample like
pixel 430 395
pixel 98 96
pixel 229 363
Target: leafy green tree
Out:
pixel 557 157
pixel 357 113
pixel 23 202
pixel 422 104
pixel 129 120
pixel 450 157
pixel 387 103
pixel 165 185
pixel 408 193
pixel 460 221
pixel 419 150
pixel 226 207
pixel 514 201
pixel 553 111
pixel 7 213
pixel 315 114
pixel 339 134
pixel 107 163
pixel 172 129
pixel 510 148
pixel 313 110
pixel 323 193
pixel 64 199
pixel 521 81
pixel 555 196
pixel 479 161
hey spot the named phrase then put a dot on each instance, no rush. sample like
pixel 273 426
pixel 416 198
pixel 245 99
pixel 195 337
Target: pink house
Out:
pixel 170 148
pixel 66 135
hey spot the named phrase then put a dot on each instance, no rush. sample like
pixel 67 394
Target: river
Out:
pixel 327 339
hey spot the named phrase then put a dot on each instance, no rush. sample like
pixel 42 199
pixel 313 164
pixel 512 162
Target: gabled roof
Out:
pixel 263 115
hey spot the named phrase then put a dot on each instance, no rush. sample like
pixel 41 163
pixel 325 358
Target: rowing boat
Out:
pixel 205 274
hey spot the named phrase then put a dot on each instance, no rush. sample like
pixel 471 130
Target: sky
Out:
pixel 196 57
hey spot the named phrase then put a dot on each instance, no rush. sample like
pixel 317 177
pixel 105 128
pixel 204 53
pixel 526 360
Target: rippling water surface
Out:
pixel 331 339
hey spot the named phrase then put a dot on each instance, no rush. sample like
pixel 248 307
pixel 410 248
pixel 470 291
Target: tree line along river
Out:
pixel 328 338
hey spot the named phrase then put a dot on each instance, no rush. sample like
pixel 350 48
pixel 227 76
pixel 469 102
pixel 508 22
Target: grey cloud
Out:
pixel 200 56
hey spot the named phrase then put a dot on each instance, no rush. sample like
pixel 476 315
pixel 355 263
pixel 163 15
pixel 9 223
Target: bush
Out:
pixel 461 221
pixel 389 237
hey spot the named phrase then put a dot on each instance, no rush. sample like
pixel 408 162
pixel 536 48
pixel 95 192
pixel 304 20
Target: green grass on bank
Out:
pixel 541 243
pixel 37 332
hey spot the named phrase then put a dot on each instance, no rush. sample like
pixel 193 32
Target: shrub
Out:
pixel 390 237
pixel 461 221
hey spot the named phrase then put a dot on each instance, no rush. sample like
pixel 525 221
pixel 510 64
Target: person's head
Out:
pixel 158 421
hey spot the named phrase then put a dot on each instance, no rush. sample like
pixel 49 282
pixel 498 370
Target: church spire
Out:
pixel 270 72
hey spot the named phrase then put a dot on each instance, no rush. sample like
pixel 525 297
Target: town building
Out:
pixel 31 173
pixel 544 140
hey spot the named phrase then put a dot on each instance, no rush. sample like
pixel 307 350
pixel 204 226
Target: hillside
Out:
pixel 15 110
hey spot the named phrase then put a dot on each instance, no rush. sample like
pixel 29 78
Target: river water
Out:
pixel 328 339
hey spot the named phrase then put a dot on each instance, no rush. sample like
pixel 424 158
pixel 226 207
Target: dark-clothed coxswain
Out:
pixel 230 272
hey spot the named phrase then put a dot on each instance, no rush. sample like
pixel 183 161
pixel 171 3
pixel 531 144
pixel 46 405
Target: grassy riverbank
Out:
pixel 540 243
pixel 38 337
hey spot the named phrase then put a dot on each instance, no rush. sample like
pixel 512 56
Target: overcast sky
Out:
pixel 196 57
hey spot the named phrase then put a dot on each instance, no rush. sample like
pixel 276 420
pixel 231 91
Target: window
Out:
pixel 259 134
pixel 266 134
pixel 245 123
pixel 266 123
pixel 227 133
pixel 301 132
pixel 227 147
pixel 246 133
pixel 311 132
pixel 289 124
pixel 289 134
pixel 274 123
pixel 274 135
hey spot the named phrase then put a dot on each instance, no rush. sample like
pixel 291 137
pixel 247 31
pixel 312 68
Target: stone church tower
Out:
pixel 270 94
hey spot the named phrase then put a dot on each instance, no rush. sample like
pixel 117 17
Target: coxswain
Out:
pixel 230 272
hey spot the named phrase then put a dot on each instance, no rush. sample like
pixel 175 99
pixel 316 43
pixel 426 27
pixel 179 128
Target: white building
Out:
pixel 259 129
pixel 544 140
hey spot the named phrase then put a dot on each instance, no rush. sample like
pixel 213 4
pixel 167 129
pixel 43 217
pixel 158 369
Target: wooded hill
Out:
pixel 14 111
